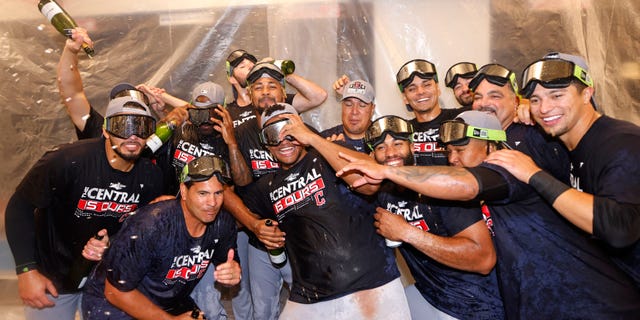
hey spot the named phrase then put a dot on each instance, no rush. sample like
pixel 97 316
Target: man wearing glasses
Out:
pixel 605 158
pixel 418 82
pixel 164 250
pixel 71 194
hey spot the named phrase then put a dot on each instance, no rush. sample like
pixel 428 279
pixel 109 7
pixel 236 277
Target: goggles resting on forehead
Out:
pixel 203 168
pixel 422 68
pixel 265 67
pixel 553 73
pixel 496 74
pixel 138 95
pixel 270 135
pixel 236 57
pixel 124 126
pixel 198 116
pixel 462 69
pixel 395 126
pixel 457 132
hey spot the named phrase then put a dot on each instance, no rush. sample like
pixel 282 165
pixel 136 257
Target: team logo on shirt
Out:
pixel 185 152
pixel 410 213
pixel 426 141
pixel 300 190
pixel 262 160
pixel 111 202
pixel 189 267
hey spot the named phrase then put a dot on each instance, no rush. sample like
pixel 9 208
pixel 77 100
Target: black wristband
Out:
pixel 26 267
pixel 547 186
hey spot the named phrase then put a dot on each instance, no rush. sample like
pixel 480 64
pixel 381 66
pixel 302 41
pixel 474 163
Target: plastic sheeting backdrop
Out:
pixel 176 45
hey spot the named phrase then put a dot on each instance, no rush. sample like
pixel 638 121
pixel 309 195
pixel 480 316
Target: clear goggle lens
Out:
pixel 270 135
pixel 124 126
pixel 265 67
pixel 397 127
pixel 553 73
pixel 203 168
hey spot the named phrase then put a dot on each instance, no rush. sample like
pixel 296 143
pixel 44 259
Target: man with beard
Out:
pixel 71 194
pixel 418 82
pixel 341 267
pixel 239 62
pixel 546 267
pixel 357 109
pixel 458 78
pixel 446 245
pixel 604 152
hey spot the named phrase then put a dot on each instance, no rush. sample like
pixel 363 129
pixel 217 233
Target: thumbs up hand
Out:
pixel 228 273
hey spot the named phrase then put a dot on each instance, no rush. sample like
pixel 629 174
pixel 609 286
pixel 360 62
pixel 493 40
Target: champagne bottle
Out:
pixel 163 134
pixel 277 256
pixel 61 20
pixel 80 270
pixel 287 66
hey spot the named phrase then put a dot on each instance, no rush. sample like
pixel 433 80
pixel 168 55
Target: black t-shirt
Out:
pixel 426 149
pixel 548 268
pixel 155 254
pixel 355 144
pixel 461 294
pixel 258 158
pixel 78 193
pixel 92 127
pixel 606 163
pixel 178 152
pixel 333 247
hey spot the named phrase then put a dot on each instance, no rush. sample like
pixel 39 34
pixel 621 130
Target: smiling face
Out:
pixel 498 100
pixel 422 95
pixel 394 152
pixel 356 117
pixel 288 153
pixel 559 111
pixel 461 91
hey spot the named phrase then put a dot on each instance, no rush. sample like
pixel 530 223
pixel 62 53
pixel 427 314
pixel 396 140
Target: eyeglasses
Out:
pixel 198 116
pixel 203 168
pixel 496 74
pixel 236 57
pixel 552 73
pixel 422 68
pixel 124 126
pixel 462 69
pixel 136 94
pixel 395 126
pixel 265 67
pixel 457 132
pixel 270 134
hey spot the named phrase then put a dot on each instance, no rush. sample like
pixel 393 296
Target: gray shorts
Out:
pixel 384 302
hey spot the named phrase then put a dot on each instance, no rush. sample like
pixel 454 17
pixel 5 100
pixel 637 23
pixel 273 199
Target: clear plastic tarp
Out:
pixel 178 44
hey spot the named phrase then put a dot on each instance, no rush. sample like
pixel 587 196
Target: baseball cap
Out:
pixel 471 124
pixel 126 105
pixel 359 89
pixel 212 91
pixel 270 113
pixel 265 69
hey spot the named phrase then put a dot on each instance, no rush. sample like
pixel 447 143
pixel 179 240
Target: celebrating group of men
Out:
pixel 501 209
